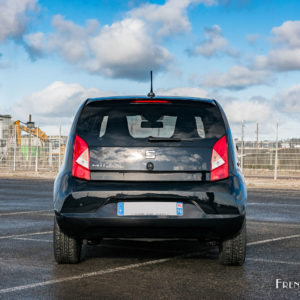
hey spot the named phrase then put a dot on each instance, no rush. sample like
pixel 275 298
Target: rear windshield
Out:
pixel 125 123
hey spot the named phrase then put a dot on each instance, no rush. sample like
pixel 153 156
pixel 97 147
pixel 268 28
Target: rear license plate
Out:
pixel 150 208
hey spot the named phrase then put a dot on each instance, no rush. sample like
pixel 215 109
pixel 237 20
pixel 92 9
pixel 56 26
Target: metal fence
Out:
pixel 269 159
pixel 279 158
pixel 28 152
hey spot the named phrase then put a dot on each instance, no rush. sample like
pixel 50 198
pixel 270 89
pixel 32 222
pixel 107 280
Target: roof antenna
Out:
pixel 151 94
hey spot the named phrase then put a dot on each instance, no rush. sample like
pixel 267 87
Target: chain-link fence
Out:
pixel 278 158
pixel 29 149
pixel 267 159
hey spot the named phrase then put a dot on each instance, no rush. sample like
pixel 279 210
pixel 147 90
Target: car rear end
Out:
pixel 144 167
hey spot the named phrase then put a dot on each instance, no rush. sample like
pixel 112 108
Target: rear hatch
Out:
pixel 150 139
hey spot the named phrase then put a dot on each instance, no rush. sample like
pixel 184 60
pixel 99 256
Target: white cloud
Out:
pixel 249 111
pixel 183 91
pixel 213 44
pixel 252 38
pixel 124 49
pixel 289 100
pixel 56 103
pixel 14 17
pixel 238 77
pixel 3 64
pixel 285 55
pixel 255 110
pixel 287 128
pixel 283 107
pixel 171 17
pixel 288 34
pixel 280 60
pixel 68 40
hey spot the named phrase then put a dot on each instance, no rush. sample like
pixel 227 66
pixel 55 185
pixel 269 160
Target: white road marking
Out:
pixel 24 234
pixel 86 275
pixel 273 240
pixel 18 236
pixel 274 261
pixel 24 212
pixel 287 205
pixel 272 223
pixel 29 239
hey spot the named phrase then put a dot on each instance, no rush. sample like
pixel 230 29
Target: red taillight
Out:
pixel 81 159
pixel 219 160
pixel 150 101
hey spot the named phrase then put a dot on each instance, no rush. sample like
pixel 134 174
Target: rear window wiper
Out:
pixel 154 139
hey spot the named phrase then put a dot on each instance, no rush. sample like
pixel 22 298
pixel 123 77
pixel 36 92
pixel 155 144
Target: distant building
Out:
pixel 5 135
pixel 54 141
pixel 30 139
pixel 285 145
pixel 5 125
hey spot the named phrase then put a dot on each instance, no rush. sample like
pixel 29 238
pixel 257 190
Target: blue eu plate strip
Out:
pixel 120 208
pixel 179 208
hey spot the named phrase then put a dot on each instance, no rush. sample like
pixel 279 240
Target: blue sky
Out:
pixel 244 53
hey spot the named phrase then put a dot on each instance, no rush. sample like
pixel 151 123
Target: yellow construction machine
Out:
pixel 29 128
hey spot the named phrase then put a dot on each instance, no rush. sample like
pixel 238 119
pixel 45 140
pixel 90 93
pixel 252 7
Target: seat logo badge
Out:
pixel 150 154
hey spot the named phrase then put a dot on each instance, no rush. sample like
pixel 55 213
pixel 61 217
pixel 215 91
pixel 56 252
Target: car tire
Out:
pixel 233 250
pixel 67 250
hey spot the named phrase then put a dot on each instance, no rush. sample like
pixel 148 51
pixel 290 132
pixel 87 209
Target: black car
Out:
pixel 162 167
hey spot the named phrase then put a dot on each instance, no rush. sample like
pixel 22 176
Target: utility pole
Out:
pixel 256 159
pixel 30 125
pixel 276 153
pixel 15 146
pixel 37 150
pixel 59 146
pixel 242 146
pixel 256 135
pixel 50 153
pixel 29 150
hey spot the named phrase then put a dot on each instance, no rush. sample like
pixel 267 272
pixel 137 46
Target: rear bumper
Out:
pixel 88 209
pixel 89 226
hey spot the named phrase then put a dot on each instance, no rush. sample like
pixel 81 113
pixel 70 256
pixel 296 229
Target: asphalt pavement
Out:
pixel 146 268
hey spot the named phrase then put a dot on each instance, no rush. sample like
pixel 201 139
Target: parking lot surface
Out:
pixel 146 268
